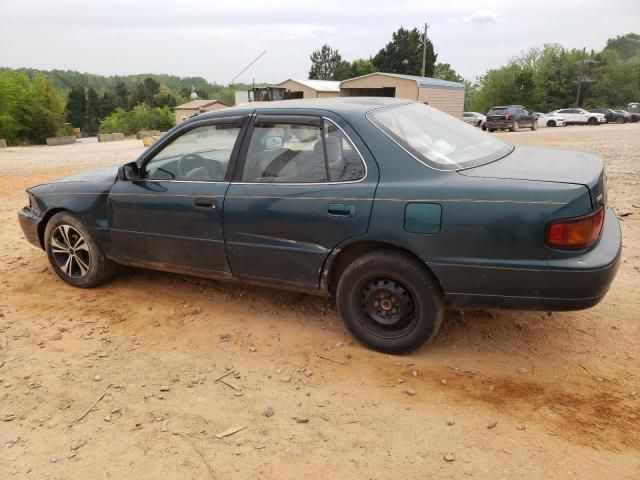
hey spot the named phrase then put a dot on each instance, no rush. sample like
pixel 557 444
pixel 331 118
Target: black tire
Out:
pixel 619 120
pixel 592 121
pixel 551 123
pixel 491 130
pixel 388 277
pixel 534 125
pixel 82 264
pixel 484 127
pixel 516 126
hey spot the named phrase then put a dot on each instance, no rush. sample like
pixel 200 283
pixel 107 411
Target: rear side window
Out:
pixel 436 138
pixel 301 153
pixel 343 160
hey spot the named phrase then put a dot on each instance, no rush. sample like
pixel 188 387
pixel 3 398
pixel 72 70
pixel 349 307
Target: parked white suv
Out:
pixel 580 116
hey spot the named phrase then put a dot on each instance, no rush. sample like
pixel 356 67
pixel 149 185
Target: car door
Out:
pixel 527 118
pixel 303 185
pixel 171 216
pixel 568 115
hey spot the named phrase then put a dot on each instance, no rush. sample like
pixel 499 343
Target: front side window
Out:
pixel 201 154
pixel 300 153
pixel 438 139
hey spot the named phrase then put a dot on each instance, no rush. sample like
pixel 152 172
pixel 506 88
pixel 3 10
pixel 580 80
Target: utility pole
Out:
pixel 586 76
pixel 424 49
pixel 580 78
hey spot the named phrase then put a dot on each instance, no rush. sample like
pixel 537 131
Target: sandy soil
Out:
pixel 561 388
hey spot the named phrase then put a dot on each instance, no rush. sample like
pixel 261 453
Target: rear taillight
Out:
pixel 575 233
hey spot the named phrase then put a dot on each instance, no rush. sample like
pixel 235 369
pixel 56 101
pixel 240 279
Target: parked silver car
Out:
pixel 476 119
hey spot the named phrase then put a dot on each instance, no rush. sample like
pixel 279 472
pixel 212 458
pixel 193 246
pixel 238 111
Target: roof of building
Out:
pixel 195 104
pixel 421 81
pixel 317 85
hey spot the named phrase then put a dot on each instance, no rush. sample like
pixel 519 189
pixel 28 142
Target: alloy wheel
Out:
pixel 70 251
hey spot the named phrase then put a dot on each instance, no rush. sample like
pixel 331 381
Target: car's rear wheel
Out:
pixel 390 301
pixel 619 120
pixel 516 126
pixel 551 123
pixel 73 253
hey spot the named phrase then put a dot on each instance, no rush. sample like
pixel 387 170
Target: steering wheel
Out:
pixel 192 161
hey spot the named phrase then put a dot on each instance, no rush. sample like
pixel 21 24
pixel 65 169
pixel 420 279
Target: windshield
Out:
pixel 438 139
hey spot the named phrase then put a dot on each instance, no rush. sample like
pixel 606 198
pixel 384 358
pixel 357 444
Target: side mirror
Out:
pixel 129 171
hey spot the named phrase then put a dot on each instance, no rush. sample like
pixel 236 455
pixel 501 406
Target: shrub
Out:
pixel 142 117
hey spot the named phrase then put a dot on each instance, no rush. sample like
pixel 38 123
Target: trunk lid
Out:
pixel 549 165
pixel 498 114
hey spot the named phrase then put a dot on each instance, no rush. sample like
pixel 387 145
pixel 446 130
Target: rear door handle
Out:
pixel 341 210
pixel 206 202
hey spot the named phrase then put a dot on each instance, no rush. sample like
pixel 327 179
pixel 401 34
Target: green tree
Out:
pixel 444 71
pixel 343 71
pixel 362 66
pixel 404 54
pixel 77 107
pixel 43 111
pixel 14 87
pixel 93 112
pixel 627 46
pixel 145 92
pixel 107 104
pixel 325 62
pixel 122 96
pixel 618 82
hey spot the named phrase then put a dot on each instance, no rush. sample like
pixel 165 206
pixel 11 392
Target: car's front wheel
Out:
pixel 73 253
pixel 390 301
pixel 551 123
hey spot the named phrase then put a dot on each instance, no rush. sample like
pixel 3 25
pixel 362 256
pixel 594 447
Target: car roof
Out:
pixel 339 105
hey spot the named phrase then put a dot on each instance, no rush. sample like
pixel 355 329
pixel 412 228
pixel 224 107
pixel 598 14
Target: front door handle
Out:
pixel 206 202
pixel 341 210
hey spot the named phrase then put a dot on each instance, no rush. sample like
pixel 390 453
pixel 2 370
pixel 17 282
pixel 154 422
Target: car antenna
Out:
pixel 241 72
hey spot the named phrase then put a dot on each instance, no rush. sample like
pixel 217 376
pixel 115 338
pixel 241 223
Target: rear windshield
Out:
pixel 438 139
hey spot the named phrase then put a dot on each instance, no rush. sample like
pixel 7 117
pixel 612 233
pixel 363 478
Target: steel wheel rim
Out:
pixel 387 308
pixel 70 251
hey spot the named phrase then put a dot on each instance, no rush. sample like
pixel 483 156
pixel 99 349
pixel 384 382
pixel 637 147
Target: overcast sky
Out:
pixel 216 40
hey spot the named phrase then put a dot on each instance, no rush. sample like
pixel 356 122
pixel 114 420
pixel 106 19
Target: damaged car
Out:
pixel 393 207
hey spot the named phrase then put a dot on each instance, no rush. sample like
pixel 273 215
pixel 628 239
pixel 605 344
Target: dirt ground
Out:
pixel 510 394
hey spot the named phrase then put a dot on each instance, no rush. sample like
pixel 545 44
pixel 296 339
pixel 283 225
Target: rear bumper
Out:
pixel 29 223
pixel 500 124
pixel 573 283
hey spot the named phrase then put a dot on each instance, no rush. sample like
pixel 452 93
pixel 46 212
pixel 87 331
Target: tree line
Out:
pixel 542 79
pixel 553 77
pixel 38 104
pixel 403 54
